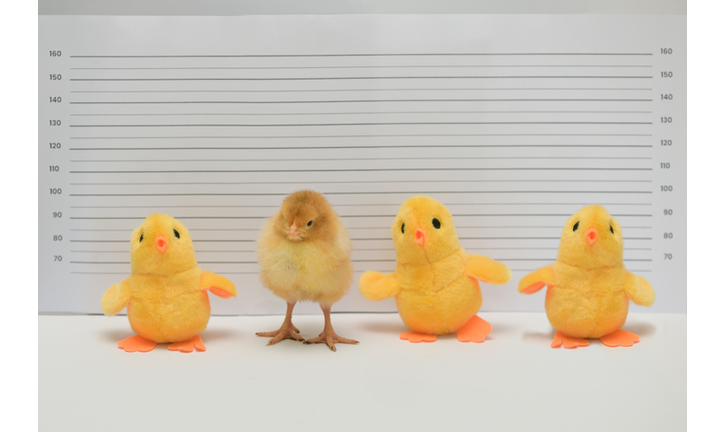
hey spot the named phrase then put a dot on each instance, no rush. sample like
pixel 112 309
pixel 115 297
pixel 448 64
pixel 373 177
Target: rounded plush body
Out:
pixel 435 283
pixel 168 308
pixel 165 295
pixel 588 286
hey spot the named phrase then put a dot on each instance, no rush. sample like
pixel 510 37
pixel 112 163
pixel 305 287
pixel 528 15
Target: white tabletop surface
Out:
pixel 513 381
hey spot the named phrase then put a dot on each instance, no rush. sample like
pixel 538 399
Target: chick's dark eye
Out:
pixel 178 236
pixel 575 227
pixel 610 228
pixel 436 223
pixel 141 239
pixel 309 223
pixel 403 227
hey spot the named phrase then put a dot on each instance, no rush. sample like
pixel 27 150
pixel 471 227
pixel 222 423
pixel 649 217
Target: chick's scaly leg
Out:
pixel 328 335
pixel 136 343
pixel 286 331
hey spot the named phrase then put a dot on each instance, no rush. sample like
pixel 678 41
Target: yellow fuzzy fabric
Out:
pixel 165 295
pixel 588 285
pixel 435 285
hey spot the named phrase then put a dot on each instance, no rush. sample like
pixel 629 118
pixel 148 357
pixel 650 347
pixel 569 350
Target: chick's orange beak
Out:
pixel 420 237
pixel 293 233
pixel 591 236
pixel 161 243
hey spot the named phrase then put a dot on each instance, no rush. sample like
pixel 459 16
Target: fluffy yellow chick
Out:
pixel 304 254
pixel 435 284
pixel 588 286
pixel 165 295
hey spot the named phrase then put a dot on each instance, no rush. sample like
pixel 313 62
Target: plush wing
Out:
pixel 533 282
pixel 218 285
pixel 377 286
pixel 116 298
pixel 487 270
pixel 639 290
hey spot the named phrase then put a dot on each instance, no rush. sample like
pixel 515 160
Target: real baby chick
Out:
pixel 304 254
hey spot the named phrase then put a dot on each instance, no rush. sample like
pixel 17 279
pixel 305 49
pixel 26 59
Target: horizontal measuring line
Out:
pixel 180 217
pixel 340 78
pixel 362 136
pixel 468 54
pixel 370 147
pixel 357 170
pixel 128 241
pixel 355 67
pixel 365 193
pixel 250 125
pixel 376 90
pixel 199 262
pixel 357 216
pixel 348 101
pixel 361 182
pixel 364 159
pixel 358 113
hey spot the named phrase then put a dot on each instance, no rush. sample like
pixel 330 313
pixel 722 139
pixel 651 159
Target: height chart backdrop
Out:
pixel 514 122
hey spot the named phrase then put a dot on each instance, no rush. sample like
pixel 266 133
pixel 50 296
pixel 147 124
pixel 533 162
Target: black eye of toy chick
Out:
pixel 610 228
pixel 403 227
pixel 309 223
pixel 178 236
pixel 575 227
pixel 141 239
pixel 436 223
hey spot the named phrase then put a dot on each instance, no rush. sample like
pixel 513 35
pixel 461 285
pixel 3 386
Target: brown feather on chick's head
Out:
pixel 305 215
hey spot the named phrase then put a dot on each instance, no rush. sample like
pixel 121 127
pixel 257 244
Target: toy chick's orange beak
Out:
pixel 591 236
pixel 161 243
pixel 420 237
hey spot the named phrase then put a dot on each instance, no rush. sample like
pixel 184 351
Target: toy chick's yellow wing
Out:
pixel 533 282
pixel 217 284
pixel 639 290
pixel 487 270
pixel 377 286
pixel 116 298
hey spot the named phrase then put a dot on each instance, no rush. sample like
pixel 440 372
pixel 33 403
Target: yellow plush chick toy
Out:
pixel 435 284
pixel 165 295
pixel 588 286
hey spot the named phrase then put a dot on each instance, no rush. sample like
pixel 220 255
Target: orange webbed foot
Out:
pixel 568 342
pixel 188 346
pixel 620 338
pixel 415 337
pixel 136 343
pixel 474 330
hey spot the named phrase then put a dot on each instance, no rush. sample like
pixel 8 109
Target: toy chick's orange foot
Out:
pixel 136 343
pixel 415 337
pixel 568 342
pixel 188 346
pixel 620 338
pixel 474 330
